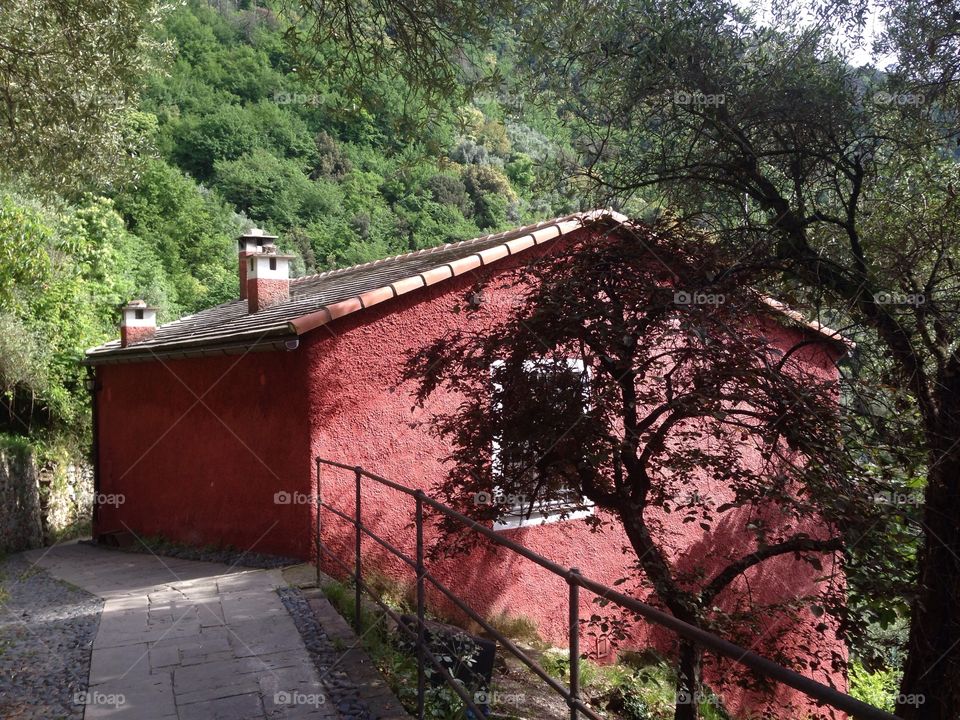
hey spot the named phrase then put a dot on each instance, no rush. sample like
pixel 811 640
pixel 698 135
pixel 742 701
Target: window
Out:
pixel 138 314
pixel 273 263
pixel 542 379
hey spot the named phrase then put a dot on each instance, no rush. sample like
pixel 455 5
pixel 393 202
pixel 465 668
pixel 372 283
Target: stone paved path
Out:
pixel 185 640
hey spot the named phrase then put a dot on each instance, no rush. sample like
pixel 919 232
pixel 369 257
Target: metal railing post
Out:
pixel 823 694
pixel 421 610
pixel 318 538
pixel 573 580
pixel 358 577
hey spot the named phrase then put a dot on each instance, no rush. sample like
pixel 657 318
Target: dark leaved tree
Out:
pixel 637 374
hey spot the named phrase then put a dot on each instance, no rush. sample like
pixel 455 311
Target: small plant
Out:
pixel 556 662
pixel 634 706
pixel 398 666
pixel 877 688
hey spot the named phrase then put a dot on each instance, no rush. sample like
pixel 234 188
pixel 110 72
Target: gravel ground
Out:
pixel 341 690
pixel 47 629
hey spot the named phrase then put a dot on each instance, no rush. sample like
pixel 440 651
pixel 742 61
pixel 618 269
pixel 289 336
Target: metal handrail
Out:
pixel 575 580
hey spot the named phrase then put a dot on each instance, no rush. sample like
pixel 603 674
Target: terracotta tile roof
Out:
pixel 319 299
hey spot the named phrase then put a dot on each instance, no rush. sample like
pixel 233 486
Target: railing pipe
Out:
pixel 421 608
pixel 510 646
pixel 574 640
pixel 358 576
pixel 318 536
pixel 748 658
pixel 392 549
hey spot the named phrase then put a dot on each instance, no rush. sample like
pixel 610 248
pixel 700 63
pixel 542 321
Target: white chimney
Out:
pixel 268 278
pixel 249 243
pixel 139 323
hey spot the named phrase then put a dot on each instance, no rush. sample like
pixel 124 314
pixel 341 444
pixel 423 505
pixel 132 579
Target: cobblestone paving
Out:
pixel 47 630
pixel 340 688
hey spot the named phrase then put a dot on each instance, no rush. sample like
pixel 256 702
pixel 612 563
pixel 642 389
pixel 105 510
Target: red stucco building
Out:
pixel 208 426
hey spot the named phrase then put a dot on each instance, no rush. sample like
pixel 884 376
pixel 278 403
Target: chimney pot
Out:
pixel 268 278
pixel 251 242
pixel 138 323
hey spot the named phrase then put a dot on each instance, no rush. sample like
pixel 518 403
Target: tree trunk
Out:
pixel 688 682
pixel 930 689
pixel 680 604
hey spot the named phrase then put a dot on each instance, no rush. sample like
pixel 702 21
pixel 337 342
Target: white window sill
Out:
pixel 513 522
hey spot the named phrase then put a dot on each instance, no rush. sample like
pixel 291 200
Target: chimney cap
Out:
pixel 257 235
pixel 270 250
pixel 138 304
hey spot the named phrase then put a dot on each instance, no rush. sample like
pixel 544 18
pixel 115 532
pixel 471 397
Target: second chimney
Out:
pixel 268 278
pixel 251 242
pixel 139 323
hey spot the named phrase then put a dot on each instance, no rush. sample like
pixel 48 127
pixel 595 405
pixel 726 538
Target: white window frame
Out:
pixel 547 512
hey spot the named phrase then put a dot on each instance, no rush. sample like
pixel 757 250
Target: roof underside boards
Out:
pixel 317 299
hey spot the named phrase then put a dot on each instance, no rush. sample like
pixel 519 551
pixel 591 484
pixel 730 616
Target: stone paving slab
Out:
pixel 187 640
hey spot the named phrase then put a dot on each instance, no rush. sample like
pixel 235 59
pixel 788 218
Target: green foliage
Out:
pixel 878 688
pixel 81 262
pixel 491 193
pixel 225 134
pixel 516 627
pixel 398 665
pixel 336 176
pixel 24 261
pixel 638 690
pixel 68 89
pixel 187 236
pixel 244 133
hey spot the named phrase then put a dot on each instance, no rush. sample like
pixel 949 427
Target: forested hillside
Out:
pixel 225 135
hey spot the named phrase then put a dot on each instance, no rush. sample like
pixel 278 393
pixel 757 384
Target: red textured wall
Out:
pixel 361 414
pixel 205 471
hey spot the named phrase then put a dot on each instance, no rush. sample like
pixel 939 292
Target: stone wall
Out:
pixel 20 524
pixel 66 500
pixel 41 504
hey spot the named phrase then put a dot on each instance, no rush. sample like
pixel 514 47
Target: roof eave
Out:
pixel 133 354
pixel 445 271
